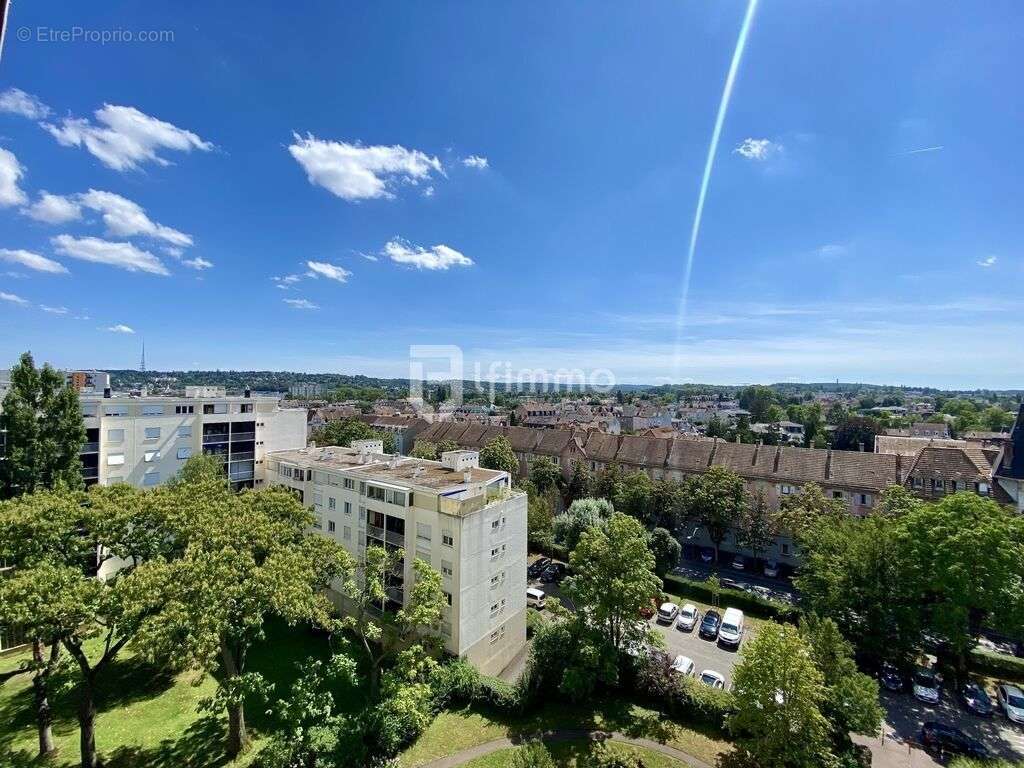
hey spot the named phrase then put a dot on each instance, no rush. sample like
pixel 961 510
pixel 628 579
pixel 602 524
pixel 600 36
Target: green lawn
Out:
pixel 457 730
pixel 576 754
pixel 147 716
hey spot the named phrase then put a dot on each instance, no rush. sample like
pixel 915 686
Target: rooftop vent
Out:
pixel 460 460
pixel 467 476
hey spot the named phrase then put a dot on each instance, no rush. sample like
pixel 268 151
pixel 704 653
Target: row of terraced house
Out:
pixel 856 478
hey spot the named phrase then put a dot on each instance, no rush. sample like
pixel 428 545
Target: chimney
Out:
pixel 106 392
pixel 248 393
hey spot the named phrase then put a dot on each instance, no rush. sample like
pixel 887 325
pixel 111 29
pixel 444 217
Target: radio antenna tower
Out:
pixel 142 362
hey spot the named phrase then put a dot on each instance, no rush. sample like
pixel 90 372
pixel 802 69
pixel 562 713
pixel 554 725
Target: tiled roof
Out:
pixel 1012 465
pixel 690 455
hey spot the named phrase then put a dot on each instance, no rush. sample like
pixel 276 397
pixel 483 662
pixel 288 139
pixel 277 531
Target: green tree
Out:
pixel 799 511
pixel 758 400
pixel 606 483
pixel 633 496
pixel 613 580
pixel 578 486
pixel 758 524
pixel 498 454
pixel 855 434
pixel 539 518
pixel 45 432
pixel 666 504
pixel 836 414
pixel 53 595
pixel 716 500
pixel 666 550
pixel 995 419
pixel 582 515
pixel 717 428
pixel 343 431
pixel 545 474
pixel 424 449
pixel 779 692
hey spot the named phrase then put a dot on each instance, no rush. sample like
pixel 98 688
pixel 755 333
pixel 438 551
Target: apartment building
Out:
pixel 144 441
pixel 467 522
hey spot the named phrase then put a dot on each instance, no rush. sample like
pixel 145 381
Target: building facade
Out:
pixel 144 441
pixel 466 522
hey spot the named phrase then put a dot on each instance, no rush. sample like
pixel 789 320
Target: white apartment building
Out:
pixel 467 522
pixel 144 441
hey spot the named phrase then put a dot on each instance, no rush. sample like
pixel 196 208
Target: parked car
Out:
pixel 731 631
pixel 683 665
pixel 927 686
pixel 771 569
pixel 536 568
pixel 707 554
pixel 890 678
pixel 535 598
pixel 739 563
pixel 1011 701
pixel 688 617
pixel 712 679
pixel 947 740
pixel 553 574
pixel 732 584
pixel 667 613
pixel 709 626
pixel 975 699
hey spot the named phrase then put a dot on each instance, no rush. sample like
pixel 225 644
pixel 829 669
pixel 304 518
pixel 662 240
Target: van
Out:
pixel 535 598
pixel 731 631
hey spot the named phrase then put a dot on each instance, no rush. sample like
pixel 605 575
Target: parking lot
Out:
pixel 706 654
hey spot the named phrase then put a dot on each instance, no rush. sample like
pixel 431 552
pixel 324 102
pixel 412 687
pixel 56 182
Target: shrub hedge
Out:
pixel 734 598
pixel 997 665
pixel 681 698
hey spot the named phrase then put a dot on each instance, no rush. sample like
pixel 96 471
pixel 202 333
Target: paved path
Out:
pixel 459 758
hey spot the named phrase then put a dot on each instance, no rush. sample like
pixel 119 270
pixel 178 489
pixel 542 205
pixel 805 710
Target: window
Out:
pixel 497 606
pixel 119 409
pixel 446 539
pixel 350 484
pixel 497 551
pixel 151 456
pixel 447 597
pixel 347 533
pixel 115 435
pixel 245 408
pixel 446 569
pixel 318 499
pixel 786 490
pixel 180 409
pixel 185 431
pixel 918 482
pixel 152 433
pixel 785 549
pixel 865 500
pixel 151 478
pixel 115 459
pixel 497 578
pixel 374 492
pixel 332 503
pixel 184 453
pixel 152 410
pixel 395 497
pixel 837 494
pixel 330 526
pixel 497 634
pixel 495 525
pixel 348 508
pixel 423 532
pixel 983 489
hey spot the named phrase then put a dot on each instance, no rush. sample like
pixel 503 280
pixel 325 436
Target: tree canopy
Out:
pixel 498 454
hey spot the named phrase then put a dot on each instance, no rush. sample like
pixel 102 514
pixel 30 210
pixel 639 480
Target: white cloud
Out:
pixel 11 172
pixel 53 209
pixel 32 261
pixel 475 161
pixel 300 303
pixel 286 282
pixel 439 257
pixel 988 261
pixel 120 328
pixel 174 251
pixel 13 299
pixel 832 250
pixel 758 149
pixel 122 138
pixel 354 172
pixel 368 256
pixel 198 263
pixel 330 271
pixel 122 255
pixel 429 191
pixel 54 310
pixel 17 102
pixel 125 218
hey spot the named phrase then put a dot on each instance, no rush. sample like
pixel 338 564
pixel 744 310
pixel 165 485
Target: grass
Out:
pixel 577 754
pixel 147 715
pixel 454 731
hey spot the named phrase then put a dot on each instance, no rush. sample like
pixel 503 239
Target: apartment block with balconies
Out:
pixel 465 521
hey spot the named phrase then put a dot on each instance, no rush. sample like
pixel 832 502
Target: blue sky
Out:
pixel 518 180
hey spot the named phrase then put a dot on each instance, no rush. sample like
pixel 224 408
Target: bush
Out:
pixel 682 698
pixel 734 598
pixel 535 621
pixel 533 754
pixel 458 684
pixel 998 665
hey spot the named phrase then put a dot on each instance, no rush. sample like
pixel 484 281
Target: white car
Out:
pixel 688 617
pixel 927 686
pixel 712 679
pixel 667 613
pixel 683 665
pixel 1011 699
pixel 731 631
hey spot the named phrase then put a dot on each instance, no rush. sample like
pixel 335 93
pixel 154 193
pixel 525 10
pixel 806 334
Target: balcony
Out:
pixel 90 448
pixel 398 539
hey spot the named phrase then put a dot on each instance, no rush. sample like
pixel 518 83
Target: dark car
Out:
pixel 536 568
pixel 553 574
pixel 710 624
pixel 890 678
pixel 976 700
pixel 947 740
